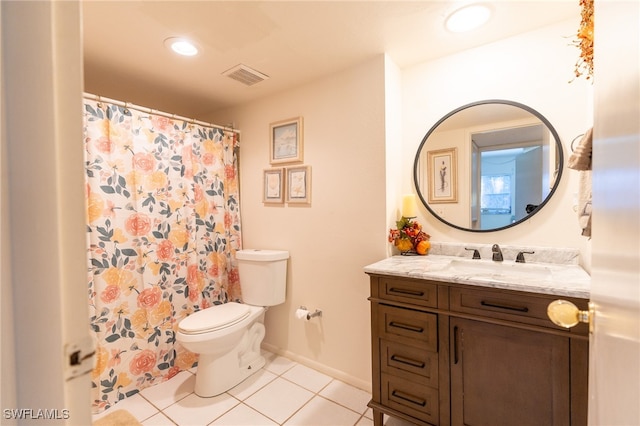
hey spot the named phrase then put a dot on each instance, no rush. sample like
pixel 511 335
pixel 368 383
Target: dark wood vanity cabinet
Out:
pixel 463 355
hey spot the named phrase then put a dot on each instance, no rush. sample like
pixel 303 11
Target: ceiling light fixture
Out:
pixel 181 46
pixel 468 18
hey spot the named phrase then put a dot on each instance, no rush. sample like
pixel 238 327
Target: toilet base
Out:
pixel 217 374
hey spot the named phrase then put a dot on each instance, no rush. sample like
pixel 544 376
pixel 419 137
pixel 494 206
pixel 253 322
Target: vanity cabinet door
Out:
pixel 503 375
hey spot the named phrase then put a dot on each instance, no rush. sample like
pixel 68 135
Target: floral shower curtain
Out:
pixel 163 227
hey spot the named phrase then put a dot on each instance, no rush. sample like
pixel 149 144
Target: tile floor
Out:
pixel 282 393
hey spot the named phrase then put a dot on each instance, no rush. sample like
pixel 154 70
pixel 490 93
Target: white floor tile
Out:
pixel 242 415
pixel 307 378
pixel 320 411
pixel 268 355
pixel 369 413
pixel 196 411
pixel 166 393
pixel 279 399
pixel 252 384
pixel 139 407
pixel 268 400
pixel 278 364
pixel 394 421
pixel 347 395
pixel 365 422
pixel 158 420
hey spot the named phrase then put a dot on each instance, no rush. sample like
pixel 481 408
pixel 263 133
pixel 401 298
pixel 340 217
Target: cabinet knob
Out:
pixel 567 315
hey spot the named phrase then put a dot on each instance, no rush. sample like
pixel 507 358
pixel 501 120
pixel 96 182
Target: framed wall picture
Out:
pixel 299 185
pixel 273 191
pixel 286 141
pixel 442 172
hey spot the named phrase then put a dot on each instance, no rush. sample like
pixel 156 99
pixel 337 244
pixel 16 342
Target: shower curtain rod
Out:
pixel 153 111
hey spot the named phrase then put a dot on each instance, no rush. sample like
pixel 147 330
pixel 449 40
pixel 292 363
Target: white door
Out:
pixel 43 244
pixel 614 377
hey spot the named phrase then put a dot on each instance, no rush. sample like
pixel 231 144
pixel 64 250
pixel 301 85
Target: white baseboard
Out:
pixel 336 374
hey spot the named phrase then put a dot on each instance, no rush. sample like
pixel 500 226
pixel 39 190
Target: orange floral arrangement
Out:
pixel 585 40
pixel 409 237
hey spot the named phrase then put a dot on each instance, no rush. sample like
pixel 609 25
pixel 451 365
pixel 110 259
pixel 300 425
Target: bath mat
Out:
pixel 118 418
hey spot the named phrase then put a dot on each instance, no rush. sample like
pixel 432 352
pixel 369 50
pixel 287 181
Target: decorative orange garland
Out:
pixel 585 40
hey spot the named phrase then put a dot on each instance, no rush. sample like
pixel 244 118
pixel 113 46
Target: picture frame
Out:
pixel 299 185
pixel 286 141
pixel 273 186
pixel 442 172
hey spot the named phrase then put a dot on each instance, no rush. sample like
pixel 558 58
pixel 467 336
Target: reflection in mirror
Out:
pixel 509 164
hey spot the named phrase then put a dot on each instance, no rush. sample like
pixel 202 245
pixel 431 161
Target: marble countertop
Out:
pixel 560 279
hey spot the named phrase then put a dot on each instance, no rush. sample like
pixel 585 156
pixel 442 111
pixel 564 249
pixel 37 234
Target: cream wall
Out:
pixel 362 128
pixel 534 69
pixel 344 228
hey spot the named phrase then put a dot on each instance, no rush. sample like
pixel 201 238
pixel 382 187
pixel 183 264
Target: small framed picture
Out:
pixel 299 185
pixel 273 192
pixel 443 176
pixel 286 141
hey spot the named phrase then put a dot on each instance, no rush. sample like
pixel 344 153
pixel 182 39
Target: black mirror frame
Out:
pixel 559 168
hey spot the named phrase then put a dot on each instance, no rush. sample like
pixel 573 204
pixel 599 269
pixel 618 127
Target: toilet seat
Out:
pixel 214 318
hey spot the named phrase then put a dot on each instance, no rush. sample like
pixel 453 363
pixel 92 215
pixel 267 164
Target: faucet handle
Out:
pixel 496 253
pixel 520 256
pixel 476 253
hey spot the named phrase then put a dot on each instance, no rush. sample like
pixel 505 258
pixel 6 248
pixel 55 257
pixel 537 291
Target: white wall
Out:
pixel 534 69
pixel 344 228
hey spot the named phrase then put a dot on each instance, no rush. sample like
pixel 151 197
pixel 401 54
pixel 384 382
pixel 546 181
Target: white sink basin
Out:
pixel 499 271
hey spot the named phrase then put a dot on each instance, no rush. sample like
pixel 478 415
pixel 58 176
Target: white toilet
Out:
pixel 227 337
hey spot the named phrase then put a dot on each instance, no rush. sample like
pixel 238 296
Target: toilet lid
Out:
pixel 214 318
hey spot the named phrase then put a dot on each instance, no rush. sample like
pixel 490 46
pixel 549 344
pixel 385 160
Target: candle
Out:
pixel 409 205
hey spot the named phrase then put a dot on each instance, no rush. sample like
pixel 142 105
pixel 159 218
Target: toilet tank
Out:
pixel 263 276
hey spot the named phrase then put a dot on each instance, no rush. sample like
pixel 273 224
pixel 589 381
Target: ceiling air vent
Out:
pixel 245 75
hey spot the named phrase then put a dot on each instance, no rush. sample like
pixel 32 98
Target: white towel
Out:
pixel 584 202
pixel 581 160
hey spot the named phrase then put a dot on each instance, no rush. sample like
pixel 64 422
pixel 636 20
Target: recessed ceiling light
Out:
pixel 468 18
pixel 181 46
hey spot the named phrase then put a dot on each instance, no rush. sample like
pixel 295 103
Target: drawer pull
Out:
pixel 407 327
pixel 409 398
pixel 407 361
pixel 455 345
pixel 502 306
pixel 406 291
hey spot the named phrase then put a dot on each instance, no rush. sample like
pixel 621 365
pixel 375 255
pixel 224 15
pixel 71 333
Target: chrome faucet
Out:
pixel 497 253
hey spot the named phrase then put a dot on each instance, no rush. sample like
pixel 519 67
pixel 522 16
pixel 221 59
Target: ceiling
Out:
pixel 292 42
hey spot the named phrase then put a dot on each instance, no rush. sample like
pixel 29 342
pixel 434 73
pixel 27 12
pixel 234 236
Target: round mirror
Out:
pixel 488 165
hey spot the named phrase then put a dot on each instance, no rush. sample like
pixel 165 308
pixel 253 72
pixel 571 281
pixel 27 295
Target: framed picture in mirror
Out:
pixel 443 176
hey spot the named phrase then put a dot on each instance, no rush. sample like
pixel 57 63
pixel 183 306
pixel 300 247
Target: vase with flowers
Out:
pixel 409 237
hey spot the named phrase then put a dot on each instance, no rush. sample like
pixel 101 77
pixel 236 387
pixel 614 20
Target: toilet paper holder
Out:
pixel 316 313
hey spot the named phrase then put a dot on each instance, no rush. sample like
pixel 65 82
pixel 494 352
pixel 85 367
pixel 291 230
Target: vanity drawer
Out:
pixel 415 292
pixel 408 326
pixel 409 362
pixel 528 309
pixel 414 399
